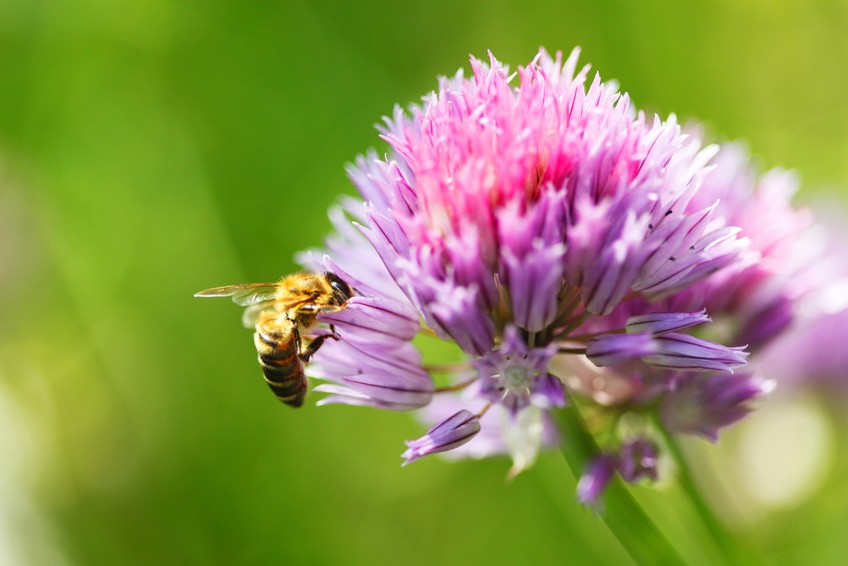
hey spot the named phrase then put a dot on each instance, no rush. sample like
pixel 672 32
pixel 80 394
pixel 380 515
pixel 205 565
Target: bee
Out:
pixel 283 314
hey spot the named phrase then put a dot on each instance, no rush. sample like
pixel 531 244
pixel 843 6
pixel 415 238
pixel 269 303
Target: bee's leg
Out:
pixel 316 343
pixel 312 348
pixel 297 342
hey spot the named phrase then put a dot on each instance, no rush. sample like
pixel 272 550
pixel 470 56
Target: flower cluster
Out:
pixel 573 250
pixel 811 353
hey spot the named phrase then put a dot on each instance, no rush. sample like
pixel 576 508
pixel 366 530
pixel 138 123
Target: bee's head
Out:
pixel 341 290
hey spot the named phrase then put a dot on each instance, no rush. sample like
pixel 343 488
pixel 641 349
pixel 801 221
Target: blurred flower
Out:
pixel 757 296
pixel 595 478
pixel 637 459
pixel 704 404
pixel 812 353
pixel 539 225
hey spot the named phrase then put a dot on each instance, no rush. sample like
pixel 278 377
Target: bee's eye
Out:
pixel 339 286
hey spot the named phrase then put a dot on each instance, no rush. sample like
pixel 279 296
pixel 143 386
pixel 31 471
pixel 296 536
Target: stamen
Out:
pixel 484 410
pixel 456 387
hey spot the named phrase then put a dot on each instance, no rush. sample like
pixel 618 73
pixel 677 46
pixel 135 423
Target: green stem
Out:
pixel 623 515
pixel 732 549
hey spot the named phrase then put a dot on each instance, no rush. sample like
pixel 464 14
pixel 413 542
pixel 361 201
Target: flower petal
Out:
pixel 458 429
pixel 614 349
pixel 664 322
pixel 683 352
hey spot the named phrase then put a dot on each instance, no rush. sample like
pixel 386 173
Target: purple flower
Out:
pixel 635 460
pixel 595 478
pixel 682 352
pixel 703 404
pixel 543 226
pixel 616 349
pixel 758 295
pixel 498 431
pixel 638 459
pixel 516 375
pixel 812 352
pixel 454 432
pixel 664 322
pixel 659 347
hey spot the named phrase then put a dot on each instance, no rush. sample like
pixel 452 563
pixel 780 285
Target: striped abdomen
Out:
pixel 278 356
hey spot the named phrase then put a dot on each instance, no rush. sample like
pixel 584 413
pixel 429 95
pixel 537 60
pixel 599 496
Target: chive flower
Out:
pixel 572 249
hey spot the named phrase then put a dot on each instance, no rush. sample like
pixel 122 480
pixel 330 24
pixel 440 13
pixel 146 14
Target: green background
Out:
pixel 150 149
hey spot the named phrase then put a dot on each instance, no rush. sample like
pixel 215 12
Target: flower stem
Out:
pixel 575 323
pixel 732 548
pixel 447 368
pixel 622 514
pixel 572 350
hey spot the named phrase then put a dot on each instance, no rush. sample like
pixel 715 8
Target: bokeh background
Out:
pixel 149 149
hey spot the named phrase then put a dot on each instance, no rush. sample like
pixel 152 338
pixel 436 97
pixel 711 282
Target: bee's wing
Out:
pixel 245 294
pixel 251 314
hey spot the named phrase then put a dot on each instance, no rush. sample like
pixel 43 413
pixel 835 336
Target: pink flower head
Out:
pixel 544 226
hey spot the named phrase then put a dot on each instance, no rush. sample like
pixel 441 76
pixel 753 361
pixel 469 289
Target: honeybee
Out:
pixel 283 315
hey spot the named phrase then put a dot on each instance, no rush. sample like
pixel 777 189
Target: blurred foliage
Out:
pixel 151 149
